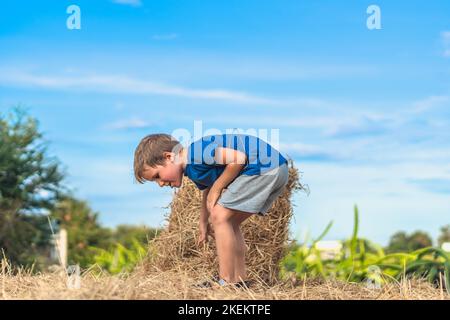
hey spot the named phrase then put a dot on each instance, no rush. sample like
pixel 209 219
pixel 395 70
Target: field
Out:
pixel 176 284
pixel 172 264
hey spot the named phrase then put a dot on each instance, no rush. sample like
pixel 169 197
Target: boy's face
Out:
pixel 170 174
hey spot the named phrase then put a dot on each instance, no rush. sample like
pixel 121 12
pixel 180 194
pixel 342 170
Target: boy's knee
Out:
pixel 219 215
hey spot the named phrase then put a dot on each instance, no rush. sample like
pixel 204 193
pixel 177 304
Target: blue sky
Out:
pixel 365 114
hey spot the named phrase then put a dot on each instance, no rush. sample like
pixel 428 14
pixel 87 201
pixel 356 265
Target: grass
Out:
pixel 422 274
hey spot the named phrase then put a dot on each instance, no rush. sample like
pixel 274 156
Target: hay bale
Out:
pixel 266 237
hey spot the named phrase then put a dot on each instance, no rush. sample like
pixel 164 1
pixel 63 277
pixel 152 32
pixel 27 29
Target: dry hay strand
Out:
pixel 177 285
pixel 266 237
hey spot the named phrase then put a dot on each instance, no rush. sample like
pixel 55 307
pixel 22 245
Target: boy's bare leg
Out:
pixel 226 243
pixel 230 242
pixel 240 273
pixel 239 262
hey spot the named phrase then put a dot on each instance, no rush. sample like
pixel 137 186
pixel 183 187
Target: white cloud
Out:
pixel 445 37
pixel 429 103
pixel 124 84
pixel 360 126
pixel 307 151
pixel 132 123
pixel 256 68
pixel 134 3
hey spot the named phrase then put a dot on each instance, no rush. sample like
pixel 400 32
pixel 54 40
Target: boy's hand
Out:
pixel 213 196
pixel 205 231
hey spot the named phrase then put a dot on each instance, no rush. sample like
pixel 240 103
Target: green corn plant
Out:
pixel 120 259
pixel 432 263
pixel 361 257
pixel 303 259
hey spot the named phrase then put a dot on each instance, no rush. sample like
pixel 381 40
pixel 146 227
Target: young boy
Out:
pixel 239 175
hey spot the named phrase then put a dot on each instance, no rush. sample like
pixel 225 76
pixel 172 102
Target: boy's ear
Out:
pixel 168 155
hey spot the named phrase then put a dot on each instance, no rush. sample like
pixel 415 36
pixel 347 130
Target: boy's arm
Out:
pixel 234 162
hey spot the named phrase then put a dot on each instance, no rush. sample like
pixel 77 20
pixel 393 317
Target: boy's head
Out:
pixel 156 159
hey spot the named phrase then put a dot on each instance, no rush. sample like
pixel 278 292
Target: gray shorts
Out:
pixel 255 193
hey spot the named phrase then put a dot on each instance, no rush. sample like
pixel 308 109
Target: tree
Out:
pixel 419 240
pixel 126 235
pixel 402 242
pixel 398 242
pixel 445 235
pixel 30 183
pixel 86 236
pixel 31 188
pixel 83 229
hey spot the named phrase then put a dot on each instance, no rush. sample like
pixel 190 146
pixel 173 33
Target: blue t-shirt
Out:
pixel 203 171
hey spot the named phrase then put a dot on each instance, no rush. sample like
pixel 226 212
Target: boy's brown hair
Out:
pixel 150 152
